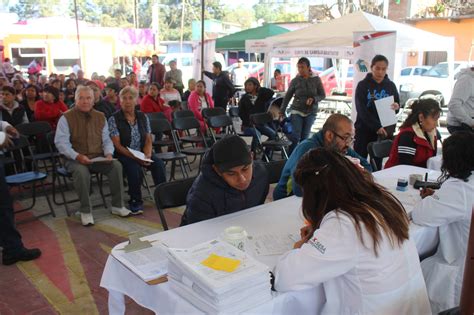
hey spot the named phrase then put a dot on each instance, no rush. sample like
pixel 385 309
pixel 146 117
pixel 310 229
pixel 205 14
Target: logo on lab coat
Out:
pixel 318 245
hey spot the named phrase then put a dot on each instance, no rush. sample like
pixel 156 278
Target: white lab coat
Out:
pixel 355 281
pixel 450 210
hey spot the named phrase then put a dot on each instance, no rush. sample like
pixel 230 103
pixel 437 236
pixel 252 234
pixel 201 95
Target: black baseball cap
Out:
pixel 231 151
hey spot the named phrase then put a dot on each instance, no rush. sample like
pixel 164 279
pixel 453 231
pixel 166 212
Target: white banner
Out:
pixel 325 52
pixel 257 46
pixel 366 46
pixel 209 58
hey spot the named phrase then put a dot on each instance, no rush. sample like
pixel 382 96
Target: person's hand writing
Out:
pixel 426 192
pixel 395 106
pixel 81 158
pixel 305 232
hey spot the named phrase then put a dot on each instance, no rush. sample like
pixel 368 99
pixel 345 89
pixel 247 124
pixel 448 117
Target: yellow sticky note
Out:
pixel 221 263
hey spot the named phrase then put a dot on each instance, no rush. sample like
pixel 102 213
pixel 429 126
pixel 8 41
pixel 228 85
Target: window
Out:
pixel 187 62
pixel 23 56
pixel 419 71
pixel 405 72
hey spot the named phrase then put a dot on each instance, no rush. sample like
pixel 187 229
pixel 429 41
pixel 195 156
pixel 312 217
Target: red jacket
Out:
pixel 411 147
pixel 150 105
pixel 50 112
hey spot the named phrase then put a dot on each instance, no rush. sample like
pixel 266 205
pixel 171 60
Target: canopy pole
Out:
pixel 77 34
pixel 203 6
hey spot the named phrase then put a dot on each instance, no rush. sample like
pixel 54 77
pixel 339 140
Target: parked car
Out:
pixel 435 80
pixel 328 78
pixel 407 73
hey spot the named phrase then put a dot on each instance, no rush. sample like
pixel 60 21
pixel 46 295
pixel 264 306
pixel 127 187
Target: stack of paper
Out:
pixel 218 278
pixel 148 263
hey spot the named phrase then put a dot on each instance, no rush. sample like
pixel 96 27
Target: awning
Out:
pixel 236 41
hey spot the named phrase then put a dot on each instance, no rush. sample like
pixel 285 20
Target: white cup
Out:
pixel 235 236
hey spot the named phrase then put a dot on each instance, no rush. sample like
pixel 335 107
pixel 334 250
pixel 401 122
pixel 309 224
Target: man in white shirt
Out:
pixel 10 238
pixel 239 74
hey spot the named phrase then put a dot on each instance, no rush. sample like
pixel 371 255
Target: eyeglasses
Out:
pixel 346 139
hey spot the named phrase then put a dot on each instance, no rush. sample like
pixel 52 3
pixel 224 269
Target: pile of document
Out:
pixel 218 278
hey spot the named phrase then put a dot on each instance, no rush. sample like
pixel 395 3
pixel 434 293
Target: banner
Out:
pixel 366 46
pixel 257 46
pixel 208 59
pixel 324 52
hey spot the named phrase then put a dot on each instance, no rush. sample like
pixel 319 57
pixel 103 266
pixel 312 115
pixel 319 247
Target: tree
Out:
pixel 240 15
pixel 277 13
pixel 34 9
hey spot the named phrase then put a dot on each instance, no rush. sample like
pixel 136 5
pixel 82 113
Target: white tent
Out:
pixel 334 39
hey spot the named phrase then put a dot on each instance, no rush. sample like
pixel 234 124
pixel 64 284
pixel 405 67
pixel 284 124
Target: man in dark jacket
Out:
pixel 229 182
pixel 101 104
pixel 222 88
pixel 255 101
pixel 156 72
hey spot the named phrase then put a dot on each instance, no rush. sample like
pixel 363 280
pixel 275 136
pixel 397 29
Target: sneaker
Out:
pixel 121 212
pixel 87 219
pixel 23 255
pixel 136 207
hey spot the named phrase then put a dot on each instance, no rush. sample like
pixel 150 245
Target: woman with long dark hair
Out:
pixel 356 244
pixel 417 141
pixel 449 209
pixel 31 94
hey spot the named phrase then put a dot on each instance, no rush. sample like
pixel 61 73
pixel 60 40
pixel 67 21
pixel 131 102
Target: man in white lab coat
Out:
pixel 450 210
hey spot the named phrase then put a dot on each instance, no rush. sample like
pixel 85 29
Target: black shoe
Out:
pixel 23 255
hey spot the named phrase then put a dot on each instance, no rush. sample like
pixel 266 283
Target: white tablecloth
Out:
pixel 434 163
pixel 283 216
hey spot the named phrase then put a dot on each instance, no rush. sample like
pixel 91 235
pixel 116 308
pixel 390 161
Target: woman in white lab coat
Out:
pixel 356 244
pixel 450 209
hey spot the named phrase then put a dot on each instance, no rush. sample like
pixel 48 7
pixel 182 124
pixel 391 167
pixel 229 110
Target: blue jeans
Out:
pixel 257 133
pixel 134 174
pixel 301 129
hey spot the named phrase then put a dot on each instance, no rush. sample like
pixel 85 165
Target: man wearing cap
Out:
pixel 239 74
pixel 229 182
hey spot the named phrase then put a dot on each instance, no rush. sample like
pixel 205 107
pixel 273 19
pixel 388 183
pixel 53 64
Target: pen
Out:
pixel 426 181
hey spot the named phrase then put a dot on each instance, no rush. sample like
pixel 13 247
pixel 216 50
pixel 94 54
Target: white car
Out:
pixel 434 81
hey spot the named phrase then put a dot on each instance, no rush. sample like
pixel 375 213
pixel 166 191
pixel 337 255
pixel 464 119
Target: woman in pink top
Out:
pixel 198 100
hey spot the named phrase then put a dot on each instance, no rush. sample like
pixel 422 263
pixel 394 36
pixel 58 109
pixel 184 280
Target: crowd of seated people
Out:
pixel 104 117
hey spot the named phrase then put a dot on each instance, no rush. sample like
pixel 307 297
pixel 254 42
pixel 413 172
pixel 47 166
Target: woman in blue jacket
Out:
pixel 375 86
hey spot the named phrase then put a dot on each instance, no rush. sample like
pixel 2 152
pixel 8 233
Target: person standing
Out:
pixel 177 76
pixel 156 71
pixel 461 105
pixel 307 90
pixel 239 74
pixel 222 89
pixel 375 86
pixel 10 239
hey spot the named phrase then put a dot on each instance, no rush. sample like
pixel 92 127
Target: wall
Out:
pixel 462 30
